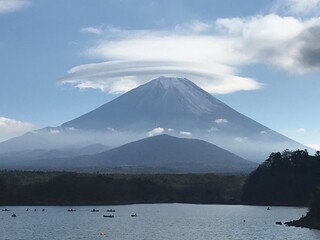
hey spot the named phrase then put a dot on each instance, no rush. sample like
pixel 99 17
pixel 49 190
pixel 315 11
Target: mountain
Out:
pixel 166 102
pixel 175 106
pixel 162 153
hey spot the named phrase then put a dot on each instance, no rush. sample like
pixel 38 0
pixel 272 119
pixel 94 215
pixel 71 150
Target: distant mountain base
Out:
pixel 135 169
pixel 158 154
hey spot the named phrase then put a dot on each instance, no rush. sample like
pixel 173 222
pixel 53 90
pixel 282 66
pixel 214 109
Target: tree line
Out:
pixel 25 188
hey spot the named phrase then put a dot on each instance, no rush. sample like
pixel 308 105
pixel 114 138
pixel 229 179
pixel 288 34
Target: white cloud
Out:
pixel 93 30
pixel 133 57
pixel 11 128
pixel 288 43
pixel 54 131
pixel 210 54
pixel 195 26
pixel 314 146
pixel 221 121
pixel 299 7
pixel 7 6
pixel 212 129
pixel 156 131
pixel 241 139
pixel 185 133
pixel 112 130
pixel 300 130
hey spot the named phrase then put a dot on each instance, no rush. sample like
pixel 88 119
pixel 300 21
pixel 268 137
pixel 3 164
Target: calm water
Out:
pixel 154 221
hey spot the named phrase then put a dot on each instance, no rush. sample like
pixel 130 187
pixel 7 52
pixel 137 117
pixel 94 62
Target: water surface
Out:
pixel 154 221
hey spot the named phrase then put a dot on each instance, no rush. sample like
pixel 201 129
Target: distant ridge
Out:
pixel 163 152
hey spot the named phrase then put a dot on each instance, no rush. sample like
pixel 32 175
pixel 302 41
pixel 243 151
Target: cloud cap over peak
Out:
pixel 129 58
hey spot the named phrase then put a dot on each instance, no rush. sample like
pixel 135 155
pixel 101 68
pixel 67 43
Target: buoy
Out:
pixel 101 233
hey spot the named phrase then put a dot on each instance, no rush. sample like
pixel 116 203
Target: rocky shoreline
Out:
pixel 311 220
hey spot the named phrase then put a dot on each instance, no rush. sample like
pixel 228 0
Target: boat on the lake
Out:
pixel 109 216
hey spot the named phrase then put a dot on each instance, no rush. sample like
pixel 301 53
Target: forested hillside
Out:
pixel 286 178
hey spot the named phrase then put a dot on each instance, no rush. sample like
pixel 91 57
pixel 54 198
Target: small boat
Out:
pixel 279 223
pixel 268 208
pixel 111 210
pixel 13 215
pixel 134 215
pixel 94 210
pixel 109 216
pixel 71 210
pixel 5 210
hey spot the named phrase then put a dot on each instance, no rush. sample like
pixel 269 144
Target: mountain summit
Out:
pixel 175 106
pixel 165 102
pixel 175 103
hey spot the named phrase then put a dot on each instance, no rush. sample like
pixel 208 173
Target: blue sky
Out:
pixel 60 59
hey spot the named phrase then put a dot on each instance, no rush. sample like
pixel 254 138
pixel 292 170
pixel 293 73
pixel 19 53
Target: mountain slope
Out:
pixel 166 102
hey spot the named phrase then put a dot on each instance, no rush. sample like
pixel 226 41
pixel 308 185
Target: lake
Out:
pixel 153 221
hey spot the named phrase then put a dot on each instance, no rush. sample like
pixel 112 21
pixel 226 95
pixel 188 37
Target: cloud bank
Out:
pixel 297 7
pixel 314 146
pixel 211 54
pixel 133 57
pixel 11 128
pixel 8 6
pixel 287 43
pixel 155 132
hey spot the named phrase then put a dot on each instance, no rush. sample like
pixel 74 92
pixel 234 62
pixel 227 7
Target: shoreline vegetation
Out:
pixel 312 218
pixel 290 178
pixel 69 188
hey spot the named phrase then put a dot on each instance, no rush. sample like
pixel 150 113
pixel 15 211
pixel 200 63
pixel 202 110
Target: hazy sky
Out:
pixel 60 59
